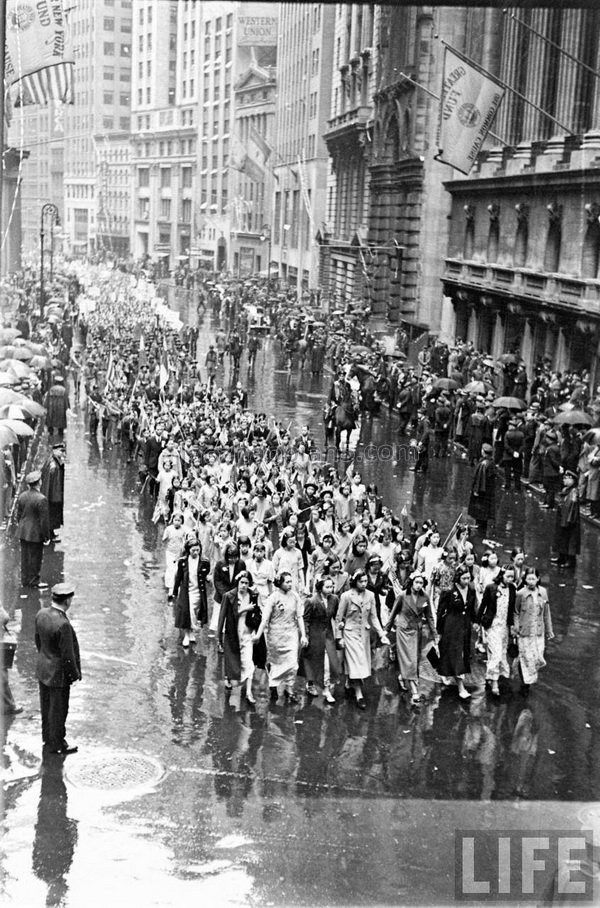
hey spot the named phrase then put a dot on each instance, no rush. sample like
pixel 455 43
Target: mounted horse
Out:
pixel 340 414
pixel 369 399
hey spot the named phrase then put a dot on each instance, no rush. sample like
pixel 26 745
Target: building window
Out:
pixel 108 123
pixel 124 123
pixel 186 177
pixel 108 97
pixel 109 74
pixel 230 20
pixel 469 238
pixel 493 233
pixel 126 50
pixel 186 211
pixel 590 259
pixel 109 24
pixel 141 17
pixel 141 43
pixel 140 70
pixel 140 96
pixel 148 95
pixel 165 209
pixel 218 24
pixel 143 209
pixel 143 176
pixel 124 99
pixel 109 49
pixel 165 177
pixel 553 239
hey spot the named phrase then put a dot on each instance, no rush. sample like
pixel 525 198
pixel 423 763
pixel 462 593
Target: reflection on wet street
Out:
pixel 276 804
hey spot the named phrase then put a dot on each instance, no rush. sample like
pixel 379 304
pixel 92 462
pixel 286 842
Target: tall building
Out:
pixel 41 131
pixel 165 95
pixel 305 48
pixel 101 32
pixel 523 259
pixel 345 255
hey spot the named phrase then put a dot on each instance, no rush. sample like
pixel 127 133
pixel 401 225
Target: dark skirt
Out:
pixel 455 646
pixel 312 659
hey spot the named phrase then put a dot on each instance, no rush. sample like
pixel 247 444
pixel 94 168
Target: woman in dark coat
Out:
pixel 482 503
pixel 456 613
pixel 496 617
pixel 189 592
pixel 320 659
pixel 225 578
pixel 240 616
pixel 567 530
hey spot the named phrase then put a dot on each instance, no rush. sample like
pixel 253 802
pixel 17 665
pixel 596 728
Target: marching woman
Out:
pixel 238 620
pixel 356 615
pixel 411 609
pixel 532 625
pixel 189 592
pixel 496 616
pixel 320 658
pixel 174 536
pixel 283 625
pixel 288 559
pixel 456 613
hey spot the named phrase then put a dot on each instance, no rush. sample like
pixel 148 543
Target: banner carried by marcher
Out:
pixel 468 105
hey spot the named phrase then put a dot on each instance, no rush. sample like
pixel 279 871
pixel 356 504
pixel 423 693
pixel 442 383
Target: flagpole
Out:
pixel 486 72
pixel 2 124
pixel 553 44
pixel 437 98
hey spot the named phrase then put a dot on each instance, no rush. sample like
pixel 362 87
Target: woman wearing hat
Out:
pixel 411 609
pixel 356 615
pixel 567 530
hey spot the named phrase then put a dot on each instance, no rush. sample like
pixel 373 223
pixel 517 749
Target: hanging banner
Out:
pixel 468 104
pixel 39 51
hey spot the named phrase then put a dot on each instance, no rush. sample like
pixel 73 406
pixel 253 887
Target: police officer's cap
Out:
pixel 62 590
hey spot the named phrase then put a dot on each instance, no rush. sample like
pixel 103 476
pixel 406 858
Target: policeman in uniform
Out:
pixel 58 666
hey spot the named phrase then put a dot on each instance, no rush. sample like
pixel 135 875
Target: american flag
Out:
pixel 52 83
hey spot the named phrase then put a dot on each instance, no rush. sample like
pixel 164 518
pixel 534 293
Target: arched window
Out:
pixel 392 141
pixel 493 233
pixel 521 244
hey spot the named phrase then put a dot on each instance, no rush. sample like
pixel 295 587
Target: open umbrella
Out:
pixel 573 418
pixel 8 378
pixel 479 387
pixel 566 406
pixel 31 406
pixel 358 350
pixel 446 384
pixel 20 369
pixel 7 351
pixel 19 427
pixel 38 349
pixel 510 403
pixel 7 436
pixel 40 362
pixel 508 358
pixel 592 436
pixel 8 396
pixel 13 411
pixel 23 353
pixel 7 335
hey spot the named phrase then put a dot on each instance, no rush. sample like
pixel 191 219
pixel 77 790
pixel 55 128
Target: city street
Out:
pixel 179 790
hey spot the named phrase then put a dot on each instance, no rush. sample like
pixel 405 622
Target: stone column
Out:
pixel 472 326
pixel 561 353
pixel 568 72
pixel 534 123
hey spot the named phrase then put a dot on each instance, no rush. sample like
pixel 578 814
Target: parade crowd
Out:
pixel 295 565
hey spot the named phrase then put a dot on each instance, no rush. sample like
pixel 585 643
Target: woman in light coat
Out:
pixel 411 608
pixel 356 615
pixel 532 626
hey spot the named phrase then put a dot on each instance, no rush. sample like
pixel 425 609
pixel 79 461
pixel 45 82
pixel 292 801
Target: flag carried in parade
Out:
pixel 164 370
pixel 39 52
pixel 468 105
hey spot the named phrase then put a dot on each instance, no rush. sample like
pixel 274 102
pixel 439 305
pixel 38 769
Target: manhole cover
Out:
pixel 114 772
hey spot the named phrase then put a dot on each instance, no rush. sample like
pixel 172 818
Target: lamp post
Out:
pixel 52 210
pixel 266 235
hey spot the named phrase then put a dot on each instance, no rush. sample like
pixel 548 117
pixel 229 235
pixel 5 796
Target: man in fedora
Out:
pixel 551 469
pixel 58 666
pixel 33 527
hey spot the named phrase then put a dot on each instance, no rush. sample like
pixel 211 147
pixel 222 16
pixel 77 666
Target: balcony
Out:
pixel 555 291
pixel 354 120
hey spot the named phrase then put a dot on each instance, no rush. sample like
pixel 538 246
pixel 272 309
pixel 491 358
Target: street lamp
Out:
pixel 266 235
pixel 51 210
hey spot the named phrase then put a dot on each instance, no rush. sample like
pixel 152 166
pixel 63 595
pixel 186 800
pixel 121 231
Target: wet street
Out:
pixel 180 791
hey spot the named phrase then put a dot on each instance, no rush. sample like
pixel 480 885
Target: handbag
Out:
pixel 512 650
pixel 433 657
pixel 8 648
pixel 253 618
pixel 339 640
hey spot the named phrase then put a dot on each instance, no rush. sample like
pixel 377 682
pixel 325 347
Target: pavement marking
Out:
pixel 107 658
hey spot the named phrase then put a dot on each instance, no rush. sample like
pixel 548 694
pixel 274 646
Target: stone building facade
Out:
pixel 522 268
